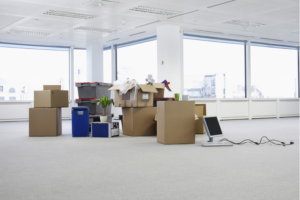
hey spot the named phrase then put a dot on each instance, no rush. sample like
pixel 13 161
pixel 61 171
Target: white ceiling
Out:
pixel 281 19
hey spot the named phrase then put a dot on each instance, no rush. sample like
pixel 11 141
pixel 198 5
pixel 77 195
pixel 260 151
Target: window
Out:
pixel 107 66
pixel 79 68
pixel 213 68
pixel 274 71
pixel 137 60
pixel 26 68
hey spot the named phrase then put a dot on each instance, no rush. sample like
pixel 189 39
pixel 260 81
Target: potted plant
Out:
pixel 104 101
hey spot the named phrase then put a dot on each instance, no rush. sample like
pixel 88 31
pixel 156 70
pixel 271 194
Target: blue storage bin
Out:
pixel 105 129
pixel 80 121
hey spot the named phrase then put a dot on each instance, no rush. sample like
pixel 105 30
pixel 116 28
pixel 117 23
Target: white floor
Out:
pixel 140 168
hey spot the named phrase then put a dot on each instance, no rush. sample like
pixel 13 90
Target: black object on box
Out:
pixel 155 100
pixel 91 90
pixel 93 108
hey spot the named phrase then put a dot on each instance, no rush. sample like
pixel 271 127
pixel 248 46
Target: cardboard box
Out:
pixel 45 122
pixel 139 121
pixel 200 111
pixel 176 122
pixel 51 98
pixel 52 87
pixel 160 87
pixel 144 97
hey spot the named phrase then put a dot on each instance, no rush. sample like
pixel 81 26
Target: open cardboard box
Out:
pixel 144 96
pixel 160 87
pixel 200 111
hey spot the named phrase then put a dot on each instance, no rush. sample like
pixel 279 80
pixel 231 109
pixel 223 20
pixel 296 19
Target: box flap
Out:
pixel 159 85
pixel 148 88
pixel 114 87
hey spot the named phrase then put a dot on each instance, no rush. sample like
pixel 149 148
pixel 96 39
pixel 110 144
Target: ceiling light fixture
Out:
pixel 113 39
pixel 111 1
pixel 272 39
pixel 24 32
pixel 183 14
pixel 242 35
pixel 98 30
pixel 243 23
pixel 208 31
pixel 219 4
pixel 157 11
pixel 69 14
pixel 89 1
pixel 148 24
pixel 137 33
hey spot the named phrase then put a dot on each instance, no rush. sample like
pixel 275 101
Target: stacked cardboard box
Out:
pixel 45 118
pixel 138 115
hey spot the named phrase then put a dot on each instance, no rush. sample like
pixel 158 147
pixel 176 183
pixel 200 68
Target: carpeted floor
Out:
pixel 140 168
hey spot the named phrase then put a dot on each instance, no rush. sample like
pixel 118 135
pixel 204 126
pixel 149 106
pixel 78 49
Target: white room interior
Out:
pixel 252 45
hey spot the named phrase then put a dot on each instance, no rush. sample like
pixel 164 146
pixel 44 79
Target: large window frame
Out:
pixel 224 40
pixel 280 46
pixel 41 47
pixel 126 44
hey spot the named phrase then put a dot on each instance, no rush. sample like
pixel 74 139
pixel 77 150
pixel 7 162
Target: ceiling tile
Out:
pixel 18 8
pixel 6 20
pixel 45 24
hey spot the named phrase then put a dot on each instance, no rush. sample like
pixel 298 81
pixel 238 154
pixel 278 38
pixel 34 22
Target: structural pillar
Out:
pixel 94 59
pixel 170 57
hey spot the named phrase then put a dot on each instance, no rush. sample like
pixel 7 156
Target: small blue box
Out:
pixel 105 129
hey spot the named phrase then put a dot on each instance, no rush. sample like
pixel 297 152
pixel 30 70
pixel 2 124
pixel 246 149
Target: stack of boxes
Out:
pixel 45 119
pixel 90 91
pixel 138 115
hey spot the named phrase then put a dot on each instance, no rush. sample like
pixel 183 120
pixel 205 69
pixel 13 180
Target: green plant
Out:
pixel 104 101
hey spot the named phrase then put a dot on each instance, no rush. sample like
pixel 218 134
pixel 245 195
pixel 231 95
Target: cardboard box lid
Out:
pixel 52 87
pixel 144 88
pixel 159 85
pixel 114 87
pixel 148 88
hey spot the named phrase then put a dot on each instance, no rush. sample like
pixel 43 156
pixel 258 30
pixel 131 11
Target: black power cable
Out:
pixel 276 142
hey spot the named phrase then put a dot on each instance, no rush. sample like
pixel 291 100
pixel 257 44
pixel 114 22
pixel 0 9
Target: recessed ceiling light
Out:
pixel 98 30
pixel 137 33
pixel 157 11
pixel 148 24
pixel 272 39
pixel 244 23
pixel 25 32
pixel 208 31
pixel 69 14
pixel 113 39
pixel 295 32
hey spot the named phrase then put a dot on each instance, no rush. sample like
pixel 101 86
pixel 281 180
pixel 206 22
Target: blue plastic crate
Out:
pixel 105 129
pixel 80 121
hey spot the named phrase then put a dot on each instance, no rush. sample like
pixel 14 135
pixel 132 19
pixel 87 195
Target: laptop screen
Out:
pixel 213 126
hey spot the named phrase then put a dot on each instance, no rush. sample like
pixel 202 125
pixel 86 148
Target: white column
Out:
pixel 170 57
pixel 72 81
pixel 113 64
pixel 94 59
pixel 248 76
